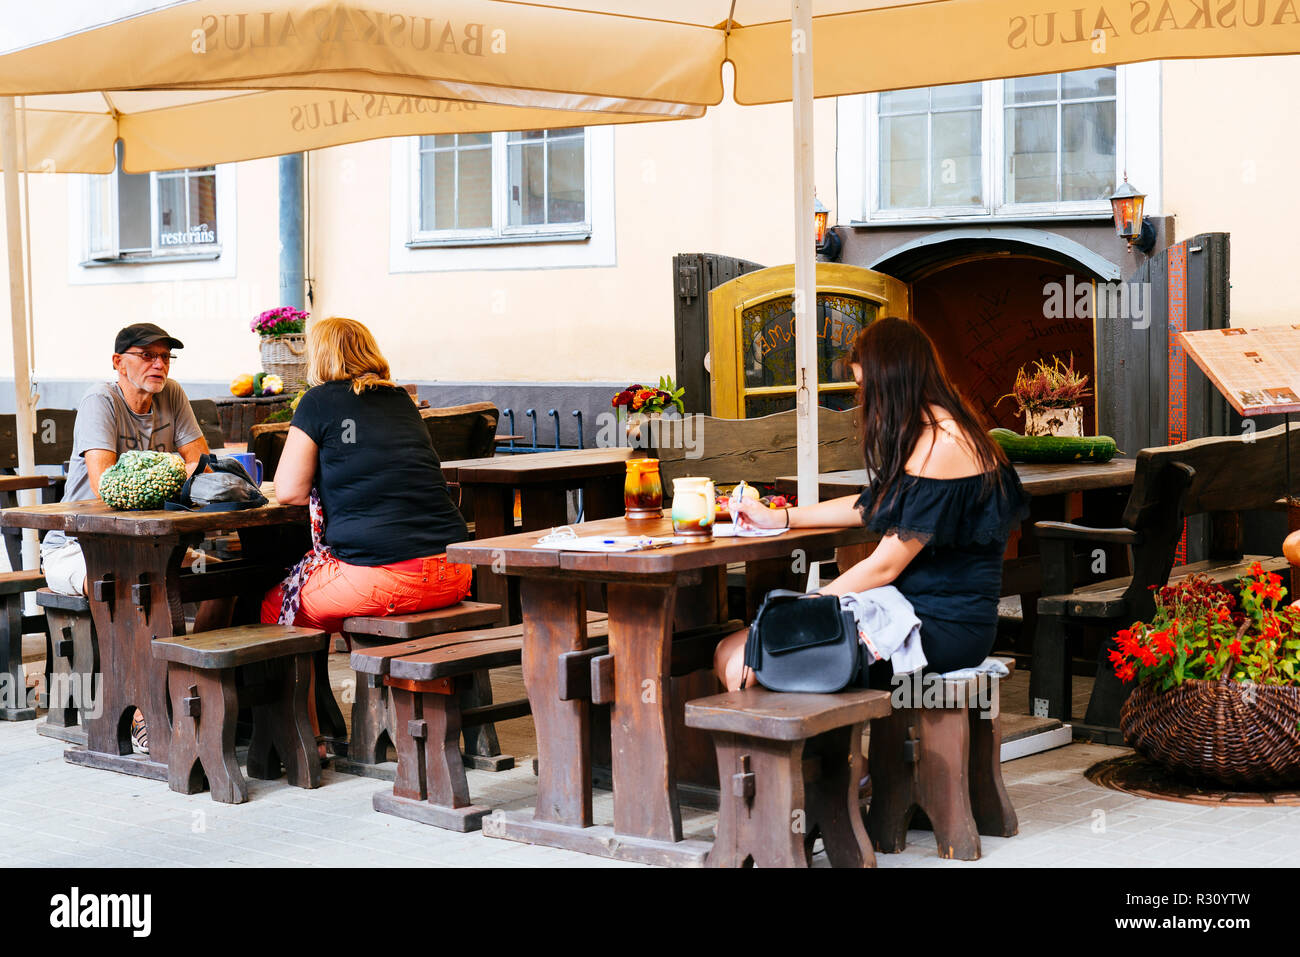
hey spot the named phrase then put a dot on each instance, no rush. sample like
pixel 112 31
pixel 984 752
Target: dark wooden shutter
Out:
pixel 694 275
pixel 1145 400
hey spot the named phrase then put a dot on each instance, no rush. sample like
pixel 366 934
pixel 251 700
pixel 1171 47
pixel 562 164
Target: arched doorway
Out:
pixel 995 300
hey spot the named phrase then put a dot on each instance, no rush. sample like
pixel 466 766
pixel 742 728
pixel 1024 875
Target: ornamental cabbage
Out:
pixel 142 479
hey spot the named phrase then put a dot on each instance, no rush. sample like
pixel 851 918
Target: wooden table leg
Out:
pixel 494 515
pixel 761 577
pixel 645 787
pixel 135 597
pixel 647 823
pixel 602 498
pixel 555 621
pixel 1042 508
pixel 543 507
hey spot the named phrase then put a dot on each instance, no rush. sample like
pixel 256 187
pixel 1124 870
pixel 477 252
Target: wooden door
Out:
pixel 751 335
pixel 695 276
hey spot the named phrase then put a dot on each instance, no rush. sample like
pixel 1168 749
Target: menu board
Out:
pixel 1257 370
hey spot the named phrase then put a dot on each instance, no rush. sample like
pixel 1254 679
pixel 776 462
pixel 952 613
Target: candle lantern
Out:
pixel 643 491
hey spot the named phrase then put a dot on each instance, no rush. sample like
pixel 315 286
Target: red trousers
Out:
pixel 337 590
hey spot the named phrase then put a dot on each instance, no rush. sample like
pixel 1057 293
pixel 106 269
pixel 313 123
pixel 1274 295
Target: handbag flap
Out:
pixel 801 623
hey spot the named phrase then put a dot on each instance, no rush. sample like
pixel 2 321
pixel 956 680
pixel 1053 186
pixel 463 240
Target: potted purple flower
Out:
pixel 284 344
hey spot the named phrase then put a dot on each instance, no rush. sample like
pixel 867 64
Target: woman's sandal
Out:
pixel 139 734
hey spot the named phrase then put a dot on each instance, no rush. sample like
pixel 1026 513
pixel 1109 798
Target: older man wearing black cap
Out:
pixel 143 409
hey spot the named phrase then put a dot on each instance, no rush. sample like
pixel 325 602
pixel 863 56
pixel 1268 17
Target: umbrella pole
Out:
pixel 25 420
pixel 805 266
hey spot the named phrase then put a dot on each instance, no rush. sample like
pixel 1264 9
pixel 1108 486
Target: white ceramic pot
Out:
pixel 1065 422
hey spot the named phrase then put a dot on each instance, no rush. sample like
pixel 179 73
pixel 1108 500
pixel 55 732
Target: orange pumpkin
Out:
pixel 241 385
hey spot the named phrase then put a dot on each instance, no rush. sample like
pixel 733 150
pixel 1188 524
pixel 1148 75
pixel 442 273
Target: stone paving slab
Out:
pixel 54 814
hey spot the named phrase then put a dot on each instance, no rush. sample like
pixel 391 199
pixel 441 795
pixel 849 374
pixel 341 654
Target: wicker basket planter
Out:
pixel 286 356
pixel 1238 734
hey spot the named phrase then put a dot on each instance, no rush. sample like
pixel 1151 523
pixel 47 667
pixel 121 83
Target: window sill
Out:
pixel 580 237
pixel 982 220
pixel 151 260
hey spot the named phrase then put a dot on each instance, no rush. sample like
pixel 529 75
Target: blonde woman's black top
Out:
pixel 380 483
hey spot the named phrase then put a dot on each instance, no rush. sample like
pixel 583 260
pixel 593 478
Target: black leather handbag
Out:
pixel 802 642
pixel 226 488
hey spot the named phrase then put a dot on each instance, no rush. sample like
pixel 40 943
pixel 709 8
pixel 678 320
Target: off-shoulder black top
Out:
pixel 954 583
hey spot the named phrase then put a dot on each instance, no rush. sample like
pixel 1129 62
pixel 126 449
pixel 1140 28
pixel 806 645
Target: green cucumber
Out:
pixel 1054 448
pixel 257 383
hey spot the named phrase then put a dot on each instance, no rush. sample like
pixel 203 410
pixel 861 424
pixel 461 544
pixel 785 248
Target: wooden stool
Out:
pixel 941 755
pixel 201 680
pixel 71 666
pixel 426 679
pixel 372 726
pixel 14 705
pixel 789 765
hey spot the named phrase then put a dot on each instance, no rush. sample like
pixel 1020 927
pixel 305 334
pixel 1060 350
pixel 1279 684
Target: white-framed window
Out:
pixel 500 187
pixel 146 217
pixel 1047 146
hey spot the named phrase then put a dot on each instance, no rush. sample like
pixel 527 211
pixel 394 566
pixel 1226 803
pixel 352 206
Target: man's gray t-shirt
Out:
pixel 105 421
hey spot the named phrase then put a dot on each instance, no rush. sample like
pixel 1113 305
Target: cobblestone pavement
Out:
pixel 56 814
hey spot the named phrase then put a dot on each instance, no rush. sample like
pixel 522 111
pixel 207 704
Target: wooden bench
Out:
pixel 1219 477
pixel 14 704
pixel 275 662
pixel 936 761
pixel 789 767
pixel 427 679
pixel 372 726
pixel 71 666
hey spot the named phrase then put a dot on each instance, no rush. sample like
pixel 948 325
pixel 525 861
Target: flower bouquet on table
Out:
pixel 642 404
pixel 284 345
pixel 1218 676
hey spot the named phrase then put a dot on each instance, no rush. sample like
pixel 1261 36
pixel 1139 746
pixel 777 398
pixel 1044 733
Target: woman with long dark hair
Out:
pixel 941 495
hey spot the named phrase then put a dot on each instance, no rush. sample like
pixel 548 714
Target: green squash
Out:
pixel 1054 448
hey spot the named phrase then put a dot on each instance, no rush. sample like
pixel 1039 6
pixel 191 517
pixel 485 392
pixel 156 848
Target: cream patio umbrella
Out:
pixel 562 53
pixel 76 132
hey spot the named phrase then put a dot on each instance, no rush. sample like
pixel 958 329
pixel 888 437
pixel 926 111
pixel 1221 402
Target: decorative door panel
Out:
pixel 751 335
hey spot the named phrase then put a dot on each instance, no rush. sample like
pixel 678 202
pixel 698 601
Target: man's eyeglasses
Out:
pixel 151 357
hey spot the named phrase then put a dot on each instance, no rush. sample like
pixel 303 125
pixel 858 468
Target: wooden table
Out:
pixel 10 486
pixel 544 480
pixel 643 591
pixel 1038 480
pixel 134 566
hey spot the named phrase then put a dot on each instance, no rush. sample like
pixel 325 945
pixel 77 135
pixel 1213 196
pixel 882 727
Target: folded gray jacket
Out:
pixel 888 626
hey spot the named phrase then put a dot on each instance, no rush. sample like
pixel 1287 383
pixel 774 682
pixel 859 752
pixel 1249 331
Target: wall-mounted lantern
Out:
pixel 1130 224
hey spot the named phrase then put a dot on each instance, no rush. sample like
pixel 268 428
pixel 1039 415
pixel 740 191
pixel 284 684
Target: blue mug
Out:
pixel 251 463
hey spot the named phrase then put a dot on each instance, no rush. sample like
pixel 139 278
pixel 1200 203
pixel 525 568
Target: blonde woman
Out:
pixel 359 454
